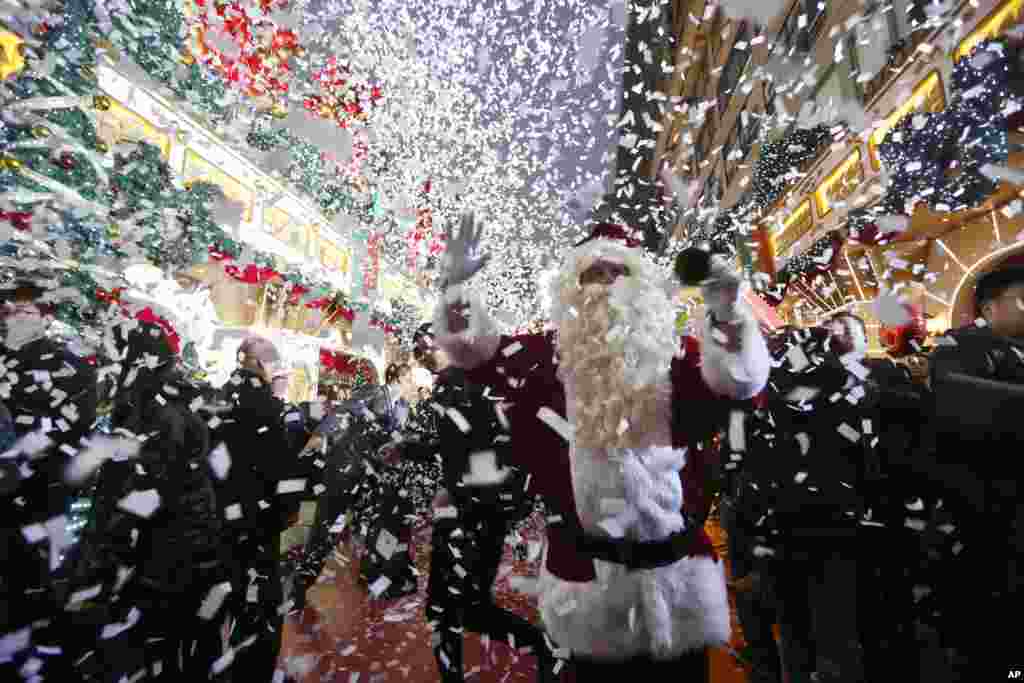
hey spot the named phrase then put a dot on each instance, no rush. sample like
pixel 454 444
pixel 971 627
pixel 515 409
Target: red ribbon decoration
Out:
pixel 21 220
pixel 252 274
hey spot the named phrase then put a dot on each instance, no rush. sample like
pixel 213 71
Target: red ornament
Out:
pixel 903 340
pixel 67 161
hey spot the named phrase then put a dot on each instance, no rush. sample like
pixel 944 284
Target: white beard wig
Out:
pixel 615 345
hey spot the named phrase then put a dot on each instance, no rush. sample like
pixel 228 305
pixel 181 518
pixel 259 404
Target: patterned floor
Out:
pixel 343 637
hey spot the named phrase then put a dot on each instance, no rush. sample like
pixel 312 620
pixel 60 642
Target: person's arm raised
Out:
pixel 464 330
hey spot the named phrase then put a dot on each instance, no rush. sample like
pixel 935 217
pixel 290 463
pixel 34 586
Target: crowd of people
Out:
pixel 867 512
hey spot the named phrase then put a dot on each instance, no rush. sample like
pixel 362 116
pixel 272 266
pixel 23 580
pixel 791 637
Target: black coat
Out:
pixel 49 388
pixel 804 476
pixel 459 403
pixel 977 431
pixel 266 482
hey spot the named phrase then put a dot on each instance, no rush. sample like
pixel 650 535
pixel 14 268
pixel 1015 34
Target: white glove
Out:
pixel 721 291
pixel 463 258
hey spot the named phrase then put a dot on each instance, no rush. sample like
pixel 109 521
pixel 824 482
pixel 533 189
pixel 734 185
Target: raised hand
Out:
pixel 464 257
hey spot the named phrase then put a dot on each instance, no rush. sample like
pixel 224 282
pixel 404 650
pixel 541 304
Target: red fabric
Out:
pixel 538 449
pixel 1013 260
pixel 691 400
pixel 252 274
pixel 611 231
pixel 527 380
pixel 21 220
pixel 147 315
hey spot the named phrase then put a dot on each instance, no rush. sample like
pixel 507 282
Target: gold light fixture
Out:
pixel 12 60
pixel 839 184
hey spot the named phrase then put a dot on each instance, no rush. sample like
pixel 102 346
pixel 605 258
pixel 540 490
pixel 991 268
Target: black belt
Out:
pixel 637 555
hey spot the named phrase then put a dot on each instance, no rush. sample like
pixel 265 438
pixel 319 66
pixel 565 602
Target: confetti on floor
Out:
pixel 389 642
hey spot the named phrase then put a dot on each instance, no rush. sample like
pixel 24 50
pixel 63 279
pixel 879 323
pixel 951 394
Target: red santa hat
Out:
pixel 610 231
pixel 606 242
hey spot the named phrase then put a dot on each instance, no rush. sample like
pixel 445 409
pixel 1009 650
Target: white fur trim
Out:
pixel 675 609
pixel 739 375
pixel 475 345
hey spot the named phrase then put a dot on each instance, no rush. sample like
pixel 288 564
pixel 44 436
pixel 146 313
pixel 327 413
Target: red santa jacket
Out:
pixel 523 373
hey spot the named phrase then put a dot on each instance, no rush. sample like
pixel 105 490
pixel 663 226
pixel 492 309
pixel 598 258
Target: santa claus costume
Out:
pixel 602 412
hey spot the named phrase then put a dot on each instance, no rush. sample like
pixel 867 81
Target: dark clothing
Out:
pixel 805 469
pixel 264 487
pixel 692 666
pixel 53 390
pixel 380 499
pixel 977 435
pixel 463 568
pixel 175 551
pixel 468 548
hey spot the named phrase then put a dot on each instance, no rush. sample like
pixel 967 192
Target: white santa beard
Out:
pixel 615 352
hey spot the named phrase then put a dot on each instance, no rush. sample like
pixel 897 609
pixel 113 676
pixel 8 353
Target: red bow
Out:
pixel 147 315
pixel 611 231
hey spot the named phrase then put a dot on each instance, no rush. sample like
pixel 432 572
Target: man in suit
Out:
pixel 977 376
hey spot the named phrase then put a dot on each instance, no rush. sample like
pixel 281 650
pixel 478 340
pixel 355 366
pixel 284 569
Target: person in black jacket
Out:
pixel 259 498
pixel 51 394
pixel 805 455
pixel 154 545
pixel 351 432
pixel 483 497
pixel 977 377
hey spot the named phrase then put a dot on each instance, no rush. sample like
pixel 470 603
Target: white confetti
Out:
pixel 213 601
pixel 140 503
pixel 737 431
pixel 291 486
pixel 459 420
pixel 848 432
pixel 556 422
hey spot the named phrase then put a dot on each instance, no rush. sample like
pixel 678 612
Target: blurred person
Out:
pixel 154 568
pixel 400 391
pixel 52 398
pixel 260 496
pixel 799 501
pixel 977 377
pixel 603 416
pixel 482 498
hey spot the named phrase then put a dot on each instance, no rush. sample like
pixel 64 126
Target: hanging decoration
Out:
pixel 938 158
pixel 342 368
pixel 780 162
pixel 241 42
pixel 342 97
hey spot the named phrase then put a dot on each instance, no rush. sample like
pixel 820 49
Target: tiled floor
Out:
pixel 344 637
